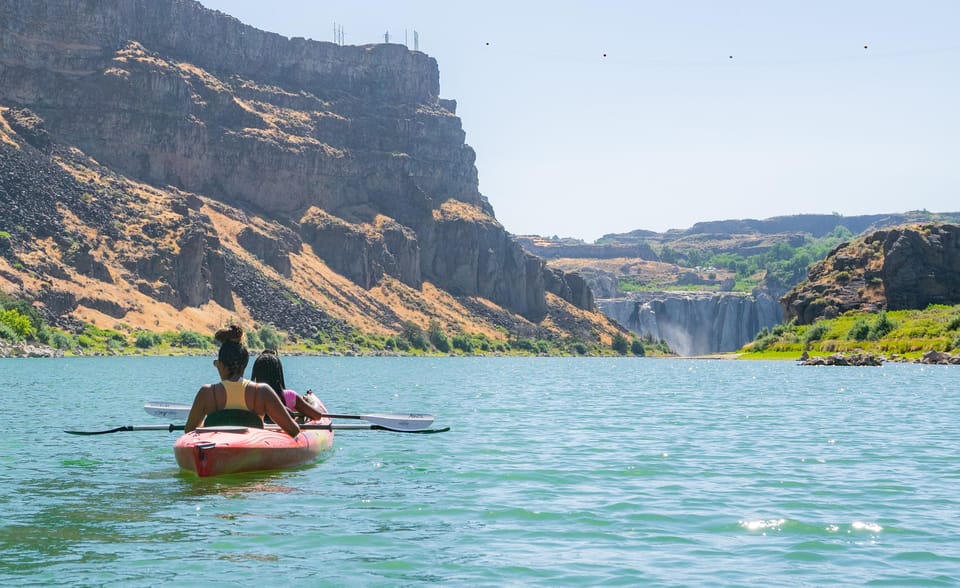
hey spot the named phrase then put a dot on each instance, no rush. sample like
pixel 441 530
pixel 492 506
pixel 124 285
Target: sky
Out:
pixel 597 117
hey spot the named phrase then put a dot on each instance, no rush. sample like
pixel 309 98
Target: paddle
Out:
pixel 406 422
pixel 332 427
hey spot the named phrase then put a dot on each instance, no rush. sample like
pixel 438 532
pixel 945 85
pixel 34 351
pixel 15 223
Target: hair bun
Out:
pixel 231 334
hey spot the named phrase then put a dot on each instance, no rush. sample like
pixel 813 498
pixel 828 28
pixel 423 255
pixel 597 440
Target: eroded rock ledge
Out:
pixel 870 359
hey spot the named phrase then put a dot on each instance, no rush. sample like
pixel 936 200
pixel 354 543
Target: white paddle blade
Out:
pixel 402 422
pixel 168 410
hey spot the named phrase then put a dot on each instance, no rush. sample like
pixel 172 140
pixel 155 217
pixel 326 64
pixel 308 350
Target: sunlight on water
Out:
pixel 557 472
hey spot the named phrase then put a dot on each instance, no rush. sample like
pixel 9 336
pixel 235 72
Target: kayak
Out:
pixel 230 449
pixel 215 451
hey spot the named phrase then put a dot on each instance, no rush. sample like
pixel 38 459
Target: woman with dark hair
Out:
pixel 234 392
pixel 268 369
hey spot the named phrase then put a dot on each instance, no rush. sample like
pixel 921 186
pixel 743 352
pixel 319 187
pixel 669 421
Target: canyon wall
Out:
pixel 349 148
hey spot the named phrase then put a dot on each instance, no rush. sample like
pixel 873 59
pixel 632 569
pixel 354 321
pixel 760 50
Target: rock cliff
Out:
pixel 904 267
pixel 249 150
pixel 695 323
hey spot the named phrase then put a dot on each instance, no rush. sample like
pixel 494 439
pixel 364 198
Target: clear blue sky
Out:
pixel 593 117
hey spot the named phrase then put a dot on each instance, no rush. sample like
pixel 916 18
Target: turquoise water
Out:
pixel 557 472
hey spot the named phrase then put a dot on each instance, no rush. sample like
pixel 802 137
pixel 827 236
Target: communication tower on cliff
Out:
pixel 416 41
pixel 386 37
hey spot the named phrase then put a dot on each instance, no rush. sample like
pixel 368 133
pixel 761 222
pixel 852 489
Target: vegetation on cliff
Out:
pixel 906 334
pixel 20 322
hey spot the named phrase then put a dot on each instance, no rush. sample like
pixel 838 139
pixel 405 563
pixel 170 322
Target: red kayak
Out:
pixel 215 451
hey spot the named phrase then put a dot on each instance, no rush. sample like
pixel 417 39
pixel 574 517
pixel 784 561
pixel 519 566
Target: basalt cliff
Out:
pixel 166 166
pixel 898 268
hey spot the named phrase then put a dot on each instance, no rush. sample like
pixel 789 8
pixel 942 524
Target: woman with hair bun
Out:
pixel 235 392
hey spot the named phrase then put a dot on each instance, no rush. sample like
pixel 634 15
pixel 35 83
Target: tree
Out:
pixel 270 338
pixel 438 338
pixel 414 335
pixel 620 344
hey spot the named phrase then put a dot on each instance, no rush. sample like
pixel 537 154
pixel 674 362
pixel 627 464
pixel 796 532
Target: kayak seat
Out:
pixel 234 417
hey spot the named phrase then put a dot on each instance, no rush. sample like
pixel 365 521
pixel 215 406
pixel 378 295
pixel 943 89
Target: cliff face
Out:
pixel 696 324
pixel 345 153
pixel 899 268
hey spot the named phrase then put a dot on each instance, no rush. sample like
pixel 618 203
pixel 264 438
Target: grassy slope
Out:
pixel 914 333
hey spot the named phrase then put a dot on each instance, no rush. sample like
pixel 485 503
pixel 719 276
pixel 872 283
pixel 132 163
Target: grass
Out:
pixel 125 340
pixel 900 333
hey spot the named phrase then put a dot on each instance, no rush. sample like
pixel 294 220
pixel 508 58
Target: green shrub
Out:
pixel 619 344
pixel 438 338
pixel 581 348
pixel 269 337
pixel 526 345
pixel 815 332
pixel 61 340
pixel 146 340
pixel 636 348
pixel 764 340
pixel 414 335
pixel 7 332
pixel 253 341
pixel 18 323
pixel 860 330
pixel 881 327
pixel 463 343
pixel 191 340
pixel 43 334
pixel 954 323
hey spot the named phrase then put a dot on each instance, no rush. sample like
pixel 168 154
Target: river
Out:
pixel 556 472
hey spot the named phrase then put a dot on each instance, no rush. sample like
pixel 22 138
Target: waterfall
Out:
pixel 695 323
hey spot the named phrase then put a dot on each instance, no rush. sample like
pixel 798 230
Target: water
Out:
pixel 557 472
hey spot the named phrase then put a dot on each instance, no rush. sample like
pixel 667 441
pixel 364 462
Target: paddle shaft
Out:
pixel 309 426
pixel 391 421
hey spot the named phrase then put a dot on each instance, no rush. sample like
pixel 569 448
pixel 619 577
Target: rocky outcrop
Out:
pixel 940 358
pixel 695 323
pixel 170 93
pixel 272 250
pixel 572 287
pixel 364 252
pixel 27 350
pixel 907 267
pixel 921 265
pixel 840 359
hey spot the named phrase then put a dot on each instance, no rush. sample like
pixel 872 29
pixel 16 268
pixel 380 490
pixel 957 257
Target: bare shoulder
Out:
pixel 263 388
pixel 206 389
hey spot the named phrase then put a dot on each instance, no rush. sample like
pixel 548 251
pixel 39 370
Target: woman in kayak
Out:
pixel 268 369
pixel 233 391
